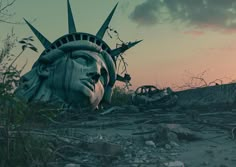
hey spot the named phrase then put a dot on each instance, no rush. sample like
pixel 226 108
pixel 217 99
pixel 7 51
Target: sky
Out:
pixel 181 38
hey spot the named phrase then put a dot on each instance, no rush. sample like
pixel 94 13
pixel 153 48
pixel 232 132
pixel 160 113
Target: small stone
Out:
pixel 210 152
pixel 128 155
pixel 205 163
pixel 174 154
pixel 137 160
pixel 150 143
pixel 162 150
pixel 222 165
pixel 167 146
pixel 144 158
pixel 174 144
pixel 171 136
pixel 141 152
pixel 161 158
pixel 72 165
pixel 174 164
pixel 181 132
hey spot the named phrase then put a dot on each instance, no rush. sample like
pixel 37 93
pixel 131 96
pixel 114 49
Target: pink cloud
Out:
pixel 229 31
pixel 194 33
pixel 210 26
pixel 218 28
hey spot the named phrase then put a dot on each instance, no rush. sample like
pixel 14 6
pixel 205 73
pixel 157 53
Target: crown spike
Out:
pixel 71 23
pixel 105 25
pixel 116 52
pixel 41 38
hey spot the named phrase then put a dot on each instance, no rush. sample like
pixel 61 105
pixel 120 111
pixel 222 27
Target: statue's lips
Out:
pixel 89 84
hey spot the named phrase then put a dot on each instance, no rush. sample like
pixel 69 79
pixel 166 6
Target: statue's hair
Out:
pixel 29 85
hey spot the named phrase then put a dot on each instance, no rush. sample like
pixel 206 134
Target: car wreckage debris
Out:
pixel 149 95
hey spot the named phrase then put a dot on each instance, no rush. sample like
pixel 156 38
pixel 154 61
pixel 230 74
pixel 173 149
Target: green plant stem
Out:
pixel 8 69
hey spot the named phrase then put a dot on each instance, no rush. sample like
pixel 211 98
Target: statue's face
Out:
pixel 79 78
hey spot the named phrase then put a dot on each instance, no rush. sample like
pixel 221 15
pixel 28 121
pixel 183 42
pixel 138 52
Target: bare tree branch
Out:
pixel 199 81
pixel 6 6
pixel 4 12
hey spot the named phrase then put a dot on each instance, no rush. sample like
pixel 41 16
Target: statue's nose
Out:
pixel 94 76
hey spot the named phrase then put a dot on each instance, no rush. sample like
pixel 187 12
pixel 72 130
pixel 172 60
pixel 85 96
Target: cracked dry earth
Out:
pixel 141 137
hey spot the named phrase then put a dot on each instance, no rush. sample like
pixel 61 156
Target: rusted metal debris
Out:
pixel 151 96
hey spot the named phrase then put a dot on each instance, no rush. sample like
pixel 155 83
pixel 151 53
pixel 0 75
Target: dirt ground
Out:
pixel 142 137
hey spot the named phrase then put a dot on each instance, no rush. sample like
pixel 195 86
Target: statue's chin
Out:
pixel 82 101
pixel 84 98
pixel 86 104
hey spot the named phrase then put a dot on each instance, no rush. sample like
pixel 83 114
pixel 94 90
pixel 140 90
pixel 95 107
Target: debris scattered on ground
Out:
pixel 129 136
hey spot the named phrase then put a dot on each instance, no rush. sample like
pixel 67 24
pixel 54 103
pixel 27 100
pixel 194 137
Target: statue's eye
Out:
pixel 104 77
pixel 82 59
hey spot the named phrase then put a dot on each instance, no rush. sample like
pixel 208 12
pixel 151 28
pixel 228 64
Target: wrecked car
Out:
pixel 154 97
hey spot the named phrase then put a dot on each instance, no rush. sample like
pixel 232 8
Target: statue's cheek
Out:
pixel 99 91
pixel 78 70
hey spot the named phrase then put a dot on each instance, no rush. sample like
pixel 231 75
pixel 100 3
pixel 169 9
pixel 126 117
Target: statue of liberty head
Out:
pixel 78 69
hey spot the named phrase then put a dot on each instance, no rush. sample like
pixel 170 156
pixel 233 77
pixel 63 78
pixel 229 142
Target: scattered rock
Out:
pixel 162 150
pixel 210 153
pixel 138 160
pixel 174 144
pixel 181 132
pixel 174 164
pixel 174 154
pixel 72 165
pixel 167 146
pixel 172 137
pixel 103 148
pixel 150 143
pixel 141 152
pixel 205 163
pixel 222 165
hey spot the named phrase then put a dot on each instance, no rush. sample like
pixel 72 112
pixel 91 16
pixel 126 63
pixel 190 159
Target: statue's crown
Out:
pixel 73 35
